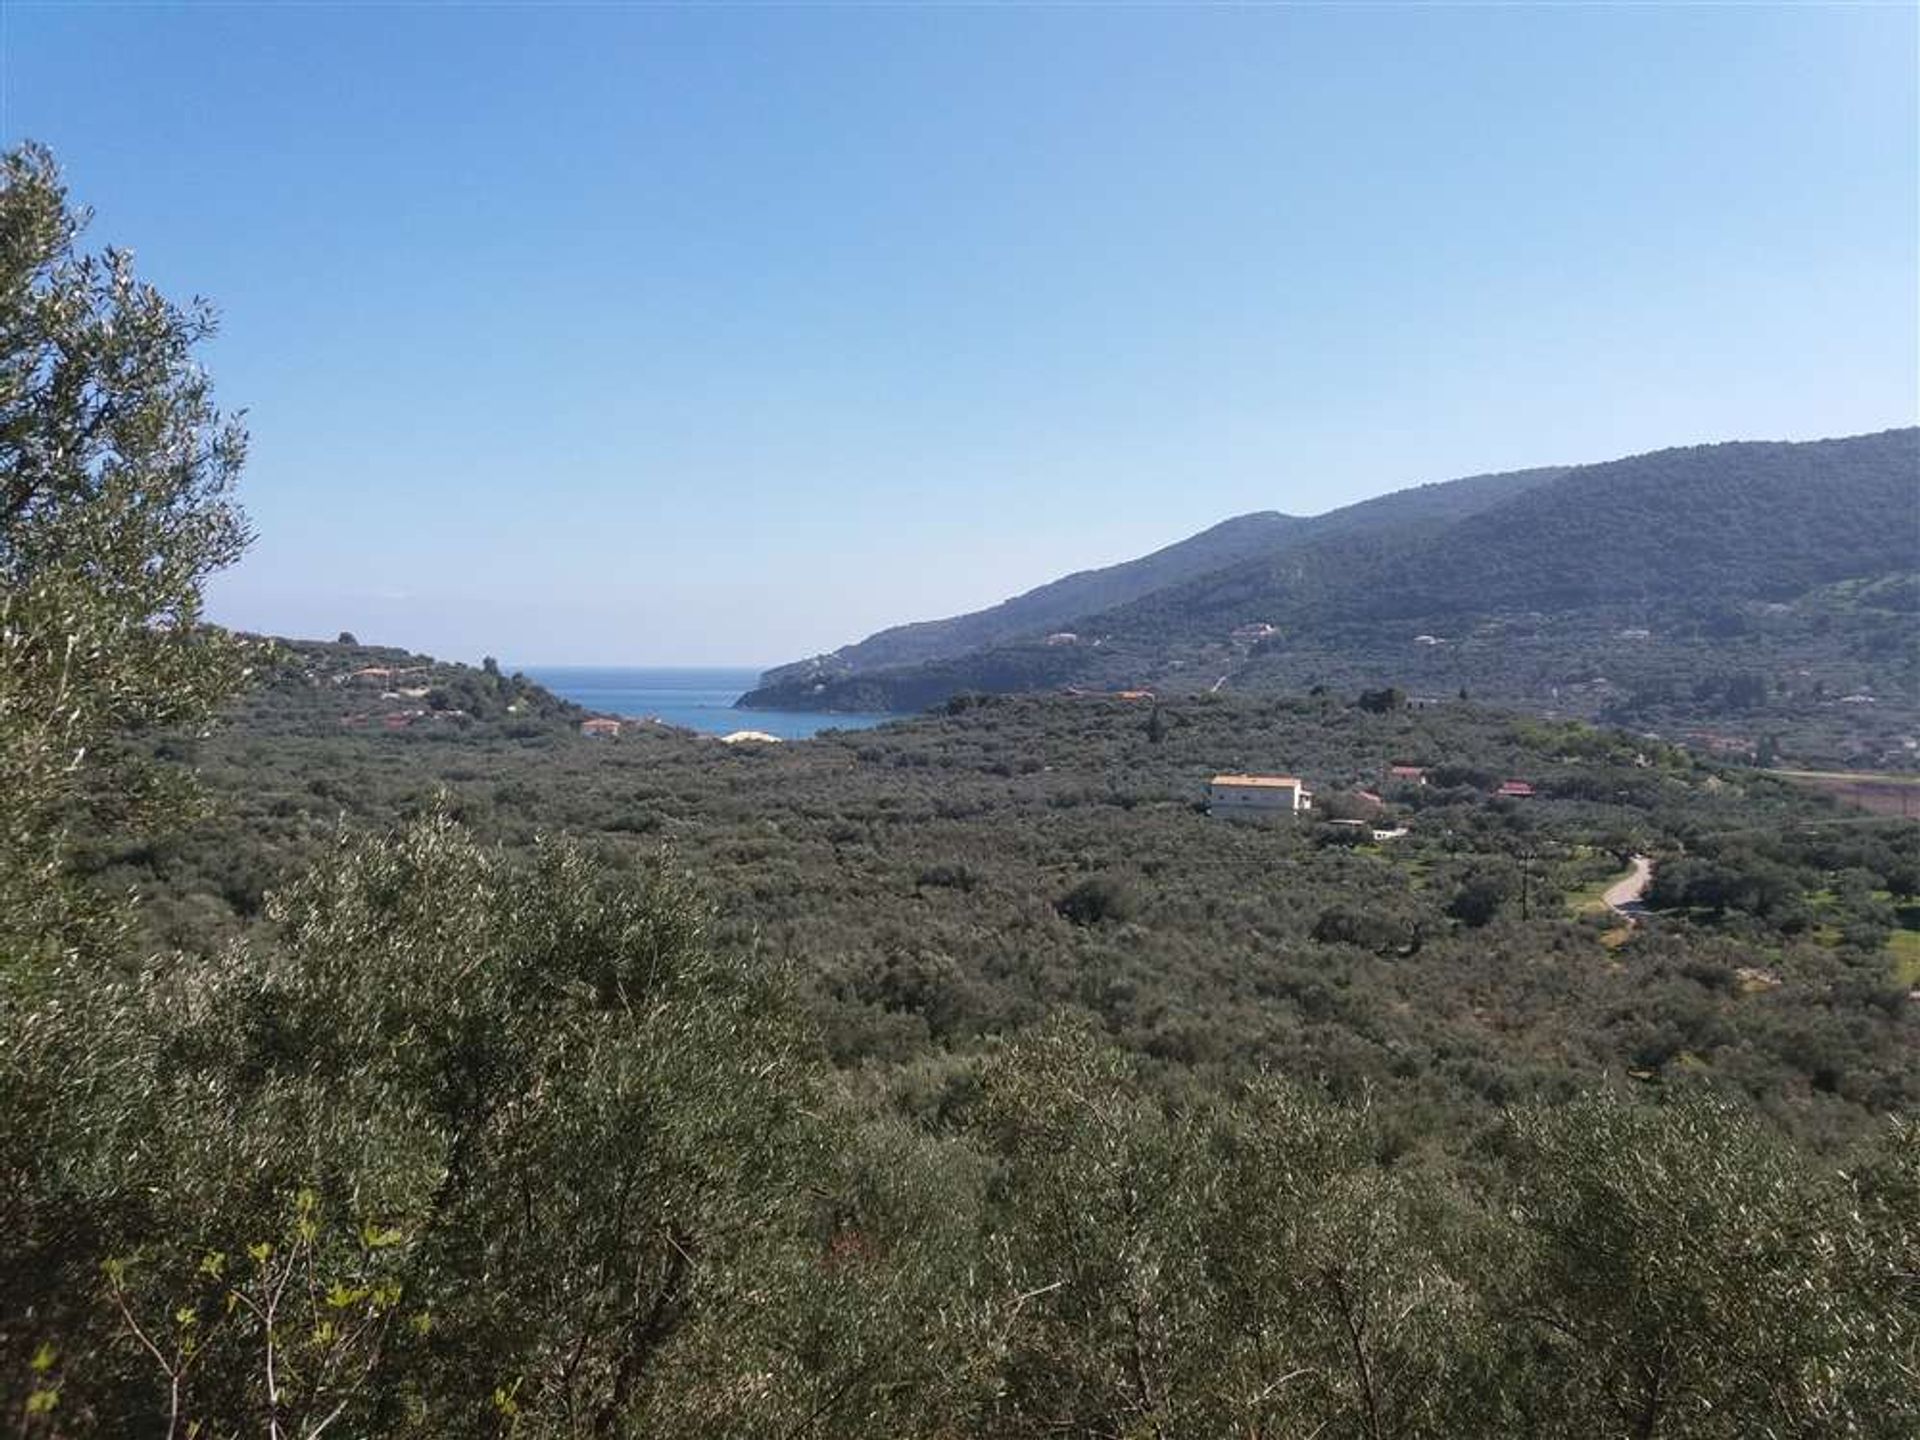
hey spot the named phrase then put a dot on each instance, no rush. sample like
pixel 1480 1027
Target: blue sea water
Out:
pixel 700 699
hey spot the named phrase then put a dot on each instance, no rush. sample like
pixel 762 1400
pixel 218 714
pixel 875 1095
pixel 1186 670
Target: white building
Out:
pixel 1257 795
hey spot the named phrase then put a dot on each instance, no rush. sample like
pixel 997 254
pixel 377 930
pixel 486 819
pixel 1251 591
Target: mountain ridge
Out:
pixel 1704 557
pixel 1044 606
pixel 1060 602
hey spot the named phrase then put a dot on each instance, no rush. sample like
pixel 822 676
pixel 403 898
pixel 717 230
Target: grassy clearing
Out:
pixel 1904 947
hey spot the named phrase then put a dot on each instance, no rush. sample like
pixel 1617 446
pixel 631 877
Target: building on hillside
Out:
pixel 600 729
pixel 1515 790
pixel 1408 774
pixel 1258 795
pixel 1063 637
pixel 1253 630
pixel 1133 694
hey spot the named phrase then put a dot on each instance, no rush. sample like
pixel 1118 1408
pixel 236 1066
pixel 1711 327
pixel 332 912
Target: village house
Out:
pixel 1254 630
pixel 1063 637
pixel 1258 795
pixel 1408 774
pixel 600 729
pixel 1515 790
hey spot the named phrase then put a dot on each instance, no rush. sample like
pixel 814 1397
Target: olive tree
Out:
pixel 464 1147
pixel 1679 1270
pixel 116 472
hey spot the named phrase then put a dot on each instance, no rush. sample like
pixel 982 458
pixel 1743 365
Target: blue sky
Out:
pixel 729 334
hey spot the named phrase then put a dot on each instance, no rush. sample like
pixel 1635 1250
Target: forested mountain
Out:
pixel 1044 608
pixel 1710 523
pixel 1243 539
pixel 1579 588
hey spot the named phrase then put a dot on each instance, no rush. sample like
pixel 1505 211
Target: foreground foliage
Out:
pixel 484 1150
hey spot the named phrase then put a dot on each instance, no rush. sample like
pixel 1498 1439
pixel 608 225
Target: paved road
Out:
pixel 1625 895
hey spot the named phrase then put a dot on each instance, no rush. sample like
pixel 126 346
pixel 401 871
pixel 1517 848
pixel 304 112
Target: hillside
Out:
pixel 1711 523
pixel 1048 606
pixel 912 875
pixel 1589 590
pixel 1243 539
pixel 344 685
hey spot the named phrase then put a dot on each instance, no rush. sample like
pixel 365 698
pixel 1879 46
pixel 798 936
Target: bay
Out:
pixel 696 697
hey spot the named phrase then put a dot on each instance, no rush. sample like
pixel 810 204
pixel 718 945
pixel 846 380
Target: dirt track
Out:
pixel 1624 896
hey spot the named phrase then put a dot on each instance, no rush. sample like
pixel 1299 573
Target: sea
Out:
pixel 699 698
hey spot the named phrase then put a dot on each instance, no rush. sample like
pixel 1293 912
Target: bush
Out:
pixel 1097 899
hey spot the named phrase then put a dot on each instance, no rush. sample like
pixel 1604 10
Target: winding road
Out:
pixel 1626 897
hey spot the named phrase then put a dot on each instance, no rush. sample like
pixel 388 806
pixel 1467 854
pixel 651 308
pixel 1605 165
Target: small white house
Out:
pixel 1257 795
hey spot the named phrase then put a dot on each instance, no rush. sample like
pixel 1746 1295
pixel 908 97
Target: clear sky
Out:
pixel 611 333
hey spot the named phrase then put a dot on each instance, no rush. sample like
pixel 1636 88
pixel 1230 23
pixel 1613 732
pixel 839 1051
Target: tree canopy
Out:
pixel 116 472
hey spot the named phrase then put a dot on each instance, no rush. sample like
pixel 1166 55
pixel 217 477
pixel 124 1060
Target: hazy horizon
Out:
pixel 594 333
